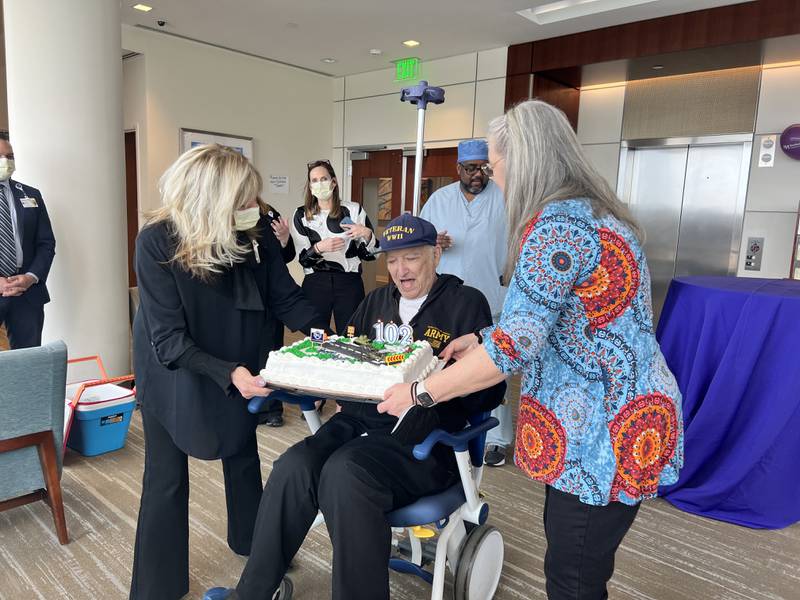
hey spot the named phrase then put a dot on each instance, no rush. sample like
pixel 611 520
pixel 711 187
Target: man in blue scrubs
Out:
pixel 471 219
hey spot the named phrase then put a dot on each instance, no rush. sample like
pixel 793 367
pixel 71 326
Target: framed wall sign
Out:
pixel 196 137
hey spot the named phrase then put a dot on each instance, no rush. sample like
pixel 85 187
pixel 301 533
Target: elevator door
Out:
pixel 690 201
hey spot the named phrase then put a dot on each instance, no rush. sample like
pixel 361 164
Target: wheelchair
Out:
pixel 445 530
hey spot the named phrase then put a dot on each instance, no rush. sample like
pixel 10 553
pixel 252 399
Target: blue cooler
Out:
pixel 101 419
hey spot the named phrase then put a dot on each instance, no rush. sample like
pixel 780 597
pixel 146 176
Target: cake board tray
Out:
pixel 322 394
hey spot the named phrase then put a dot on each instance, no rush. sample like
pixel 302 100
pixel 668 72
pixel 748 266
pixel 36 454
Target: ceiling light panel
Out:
pixel 565 10
pixel 142 7
pixel 411 43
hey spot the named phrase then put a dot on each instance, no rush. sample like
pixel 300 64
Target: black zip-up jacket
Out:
pixel 451 310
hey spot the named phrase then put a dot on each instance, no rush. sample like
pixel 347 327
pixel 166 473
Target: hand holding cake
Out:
pixel 249 385
pixel 396 399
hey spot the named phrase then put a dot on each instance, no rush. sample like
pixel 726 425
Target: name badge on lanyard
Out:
pixel 29 202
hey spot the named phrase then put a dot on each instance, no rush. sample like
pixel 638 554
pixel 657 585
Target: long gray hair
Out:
pixel 545 163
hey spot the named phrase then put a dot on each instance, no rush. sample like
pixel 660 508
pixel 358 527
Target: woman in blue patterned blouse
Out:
pixel 600 413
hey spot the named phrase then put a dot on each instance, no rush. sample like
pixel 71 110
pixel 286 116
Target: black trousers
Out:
pixel 161 554
pixel 274 407
pixel 23 320
pixel 335 292
pixel 581 543
pixel 354 480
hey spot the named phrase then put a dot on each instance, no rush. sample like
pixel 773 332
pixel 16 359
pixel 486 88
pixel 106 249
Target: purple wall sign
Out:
pixel 790 141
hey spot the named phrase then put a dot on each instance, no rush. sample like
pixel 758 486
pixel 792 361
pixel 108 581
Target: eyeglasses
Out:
pixel 487 169
pixel 318 163
pixel 471 169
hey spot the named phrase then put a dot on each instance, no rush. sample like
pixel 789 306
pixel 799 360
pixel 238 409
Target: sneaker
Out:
pixel 274 420
pixel 220 593
pixel 284 592
pixel 495 456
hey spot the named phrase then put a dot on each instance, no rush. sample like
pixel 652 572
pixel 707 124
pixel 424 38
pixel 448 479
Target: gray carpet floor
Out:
pixel 668 555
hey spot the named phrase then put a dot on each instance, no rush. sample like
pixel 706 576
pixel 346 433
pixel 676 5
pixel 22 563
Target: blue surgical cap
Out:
pixel 473 150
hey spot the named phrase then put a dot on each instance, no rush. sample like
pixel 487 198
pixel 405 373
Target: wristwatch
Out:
pixel 421 395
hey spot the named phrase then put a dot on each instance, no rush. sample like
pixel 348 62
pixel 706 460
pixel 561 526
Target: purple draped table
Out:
pixel 734 347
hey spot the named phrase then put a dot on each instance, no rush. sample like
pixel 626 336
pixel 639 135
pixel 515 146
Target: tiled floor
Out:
pixel 668 555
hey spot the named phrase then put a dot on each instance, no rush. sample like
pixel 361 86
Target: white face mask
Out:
pixel 7 168
pixel 322 189
pixel 246 219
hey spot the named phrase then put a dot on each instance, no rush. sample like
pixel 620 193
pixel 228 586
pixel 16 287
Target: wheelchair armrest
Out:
pixel 458 441
pixel 256 404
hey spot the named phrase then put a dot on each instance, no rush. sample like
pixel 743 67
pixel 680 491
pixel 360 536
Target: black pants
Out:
pixel 354 480
pixel 581 543
pixel 23 320
pixel 274 407
pixel 335 292
pixel 161 555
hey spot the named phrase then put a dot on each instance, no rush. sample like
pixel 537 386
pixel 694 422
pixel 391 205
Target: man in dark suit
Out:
pixel 27 247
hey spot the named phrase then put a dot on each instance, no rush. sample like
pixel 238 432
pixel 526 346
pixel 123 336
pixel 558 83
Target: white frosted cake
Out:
pixel 344 366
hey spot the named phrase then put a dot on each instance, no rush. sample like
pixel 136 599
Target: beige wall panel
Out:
pixel 774 188
pixel 489 101
pixel 778 232
pixel 600 115
pixel 492 63
pixel 779 101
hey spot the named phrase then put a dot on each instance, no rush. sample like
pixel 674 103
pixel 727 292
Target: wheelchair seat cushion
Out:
pixel 428 509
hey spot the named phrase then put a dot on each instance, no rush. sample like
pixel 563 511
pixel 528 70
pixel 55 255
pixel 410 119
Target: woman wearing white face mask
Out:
pixel 332 237
pixel 212 283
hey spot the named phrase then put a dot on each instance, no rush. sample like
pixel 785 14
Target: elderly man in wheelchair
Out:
pixel 369 473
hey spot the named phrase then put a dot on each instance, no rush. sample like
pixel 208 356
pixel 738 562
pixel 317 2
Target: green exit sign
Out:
pixel 406 68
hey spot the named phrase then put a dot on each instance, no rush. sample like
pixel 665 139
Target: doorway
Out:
pixel 131 201
pixel 383 183
pixel 688 195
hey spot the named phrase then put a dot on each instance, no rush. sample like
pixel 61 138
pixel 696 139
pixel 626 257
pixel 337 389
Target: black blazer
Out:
pixel 38 241
pixel 189 335
pixel 288 252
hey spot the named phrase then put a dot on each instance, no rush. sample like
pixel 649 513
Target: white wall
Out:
pixel 191 85
pixel 367 110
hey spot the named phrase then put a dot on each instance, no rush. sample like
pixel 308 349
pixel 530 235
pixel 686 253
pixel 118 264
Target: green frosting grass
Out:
pixel 310 349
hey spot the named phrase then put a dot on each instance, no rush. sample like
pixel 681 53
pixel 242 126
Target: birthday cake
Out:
pixel 348 366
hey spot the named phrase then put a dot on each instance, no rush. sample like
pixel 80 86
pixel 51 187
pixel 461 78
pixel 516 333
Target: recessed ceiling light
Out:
pixel 411 43
pixel 573 9
pixel 328 60
pixel 375 51
pixel 657 67
pixel 142 7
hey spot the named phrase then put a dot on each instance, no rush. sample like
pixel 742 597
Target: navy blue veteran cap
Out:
pixel 407 231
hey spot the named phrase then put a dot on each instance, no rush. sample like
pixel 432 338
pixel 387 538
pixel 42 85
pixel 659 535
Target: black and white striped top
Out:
pixel 306 233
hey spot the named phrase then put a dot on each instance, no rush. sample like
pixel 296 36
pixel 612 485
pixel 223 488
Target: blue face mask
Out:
pixel 246 218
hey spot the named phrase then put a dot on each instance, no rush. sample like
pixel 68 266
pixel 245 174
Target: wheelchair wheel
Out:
pixel 286 590
pixel 480 564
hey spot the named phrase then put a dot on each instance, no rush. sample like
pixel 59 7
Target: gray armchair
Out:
pixel 32 384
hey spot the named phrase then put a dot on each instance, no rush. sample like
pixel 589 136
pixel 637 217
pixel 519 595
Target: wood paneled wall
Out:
pixel 548 60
